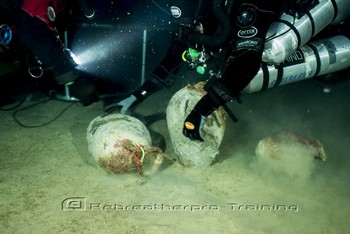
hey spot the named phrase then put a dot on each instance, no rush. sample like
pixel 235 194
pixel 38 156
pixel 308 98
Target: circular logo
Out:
pixel 51 13
pixel 5 34
pixel 175 11
pixel 247 32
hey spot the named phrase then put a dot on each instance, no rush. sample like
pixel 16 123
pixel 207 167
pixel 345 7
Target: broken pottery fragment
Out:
pixel 192 153
pixel 287 154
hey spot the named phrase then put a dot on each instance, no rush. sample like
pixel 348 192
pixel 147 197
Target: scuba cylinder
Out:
pixel 311 60
pixel 290 32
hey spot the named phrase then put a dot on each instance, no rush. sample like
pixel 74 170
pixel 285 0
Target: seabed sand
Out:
pixel 50 184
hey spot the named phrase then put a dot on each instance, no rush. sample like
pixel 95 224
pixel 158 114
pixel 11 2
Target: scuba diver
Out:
pixel 232 34
pixel 226 40
pixel 36 23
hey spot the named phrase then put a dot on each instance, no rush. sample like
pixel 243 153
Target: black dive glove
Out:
pixel 149 87
pixel 193 125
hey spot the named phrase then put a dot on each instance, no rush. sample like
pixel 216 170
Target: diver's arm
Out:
pixel 164 70
pixel 252 20
pixel 158 78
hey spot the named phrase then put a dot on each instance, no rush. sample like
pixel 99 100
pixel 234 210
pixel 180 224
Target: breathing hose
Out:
pixel 220 37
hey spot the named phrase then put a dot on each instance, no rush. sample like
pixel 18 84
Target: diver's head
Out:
pixel 184 11
pixel 203 22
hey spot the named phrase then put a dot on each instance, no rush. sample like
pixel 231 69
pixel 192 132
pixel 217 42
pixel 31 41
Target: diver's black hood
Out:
pixel 185 12
pixel 210 13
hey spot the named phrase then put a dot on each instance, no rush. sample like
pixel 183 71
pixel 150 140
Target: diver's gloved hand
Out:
pixel 193 126
pixel 121 106
pixel 126 103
